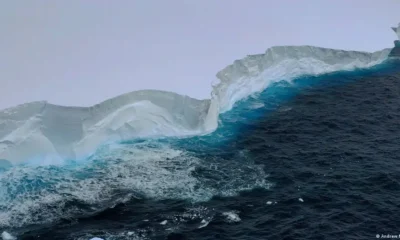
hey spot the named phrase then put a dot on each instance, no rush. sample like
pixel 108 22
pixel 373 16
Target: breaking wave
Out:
pixel 32 195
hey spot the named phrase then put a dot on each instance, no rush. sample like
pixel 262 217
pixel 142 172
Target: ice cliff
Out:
pixel 51 133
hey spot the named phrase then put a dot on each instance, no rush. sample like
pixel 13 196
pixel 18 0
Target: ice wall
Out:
pixel 48 133
pixel 255 72
pixel 51 133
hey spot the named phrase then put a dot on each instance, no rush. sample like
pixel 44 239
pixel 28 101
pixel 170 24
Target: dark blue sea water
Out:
pixel 317 158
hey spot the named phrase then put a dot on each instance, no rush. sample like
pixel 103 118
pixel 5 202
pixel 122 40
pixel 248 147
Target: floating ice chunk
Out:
pixel 301 200
pixel 269 202
pixel 130 233
pixel 96 238
pixel 204 223
pixel 256 105
pixel 284 109
pixel 6 236
pixel 231 216
pixel 163 222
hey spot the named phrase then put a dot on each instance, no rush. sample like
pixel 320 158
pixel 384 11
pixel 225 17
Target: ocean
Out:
pixel 316 157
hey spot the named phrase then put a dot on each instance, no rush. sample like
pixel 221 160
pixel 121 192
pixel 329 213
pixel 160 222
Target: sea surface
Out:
pixel 312 158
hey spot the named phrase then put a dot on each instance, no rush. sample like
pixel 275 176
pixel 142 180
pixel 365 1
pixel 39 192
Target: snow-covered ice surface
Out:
pixel 44 133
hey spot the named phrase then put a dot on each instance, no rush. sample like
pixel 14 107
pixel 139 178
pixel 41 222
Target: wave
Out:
pixel 48 134
pixel 37 195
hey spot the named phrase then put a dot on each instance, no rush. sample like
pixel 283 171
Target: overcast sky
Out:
pixel 79 53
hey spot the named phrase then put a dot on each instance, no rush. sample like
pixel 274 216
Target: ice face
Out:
pixel 255 72
pixel 52 133
pixel 47 133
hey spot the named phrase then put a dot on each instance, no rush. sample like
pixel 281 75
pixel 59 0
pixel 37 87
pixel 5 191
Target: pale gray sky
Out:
pixel 76 52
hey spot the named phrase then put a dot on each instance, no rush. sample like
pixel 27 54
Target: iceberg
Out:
pixel 50 133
